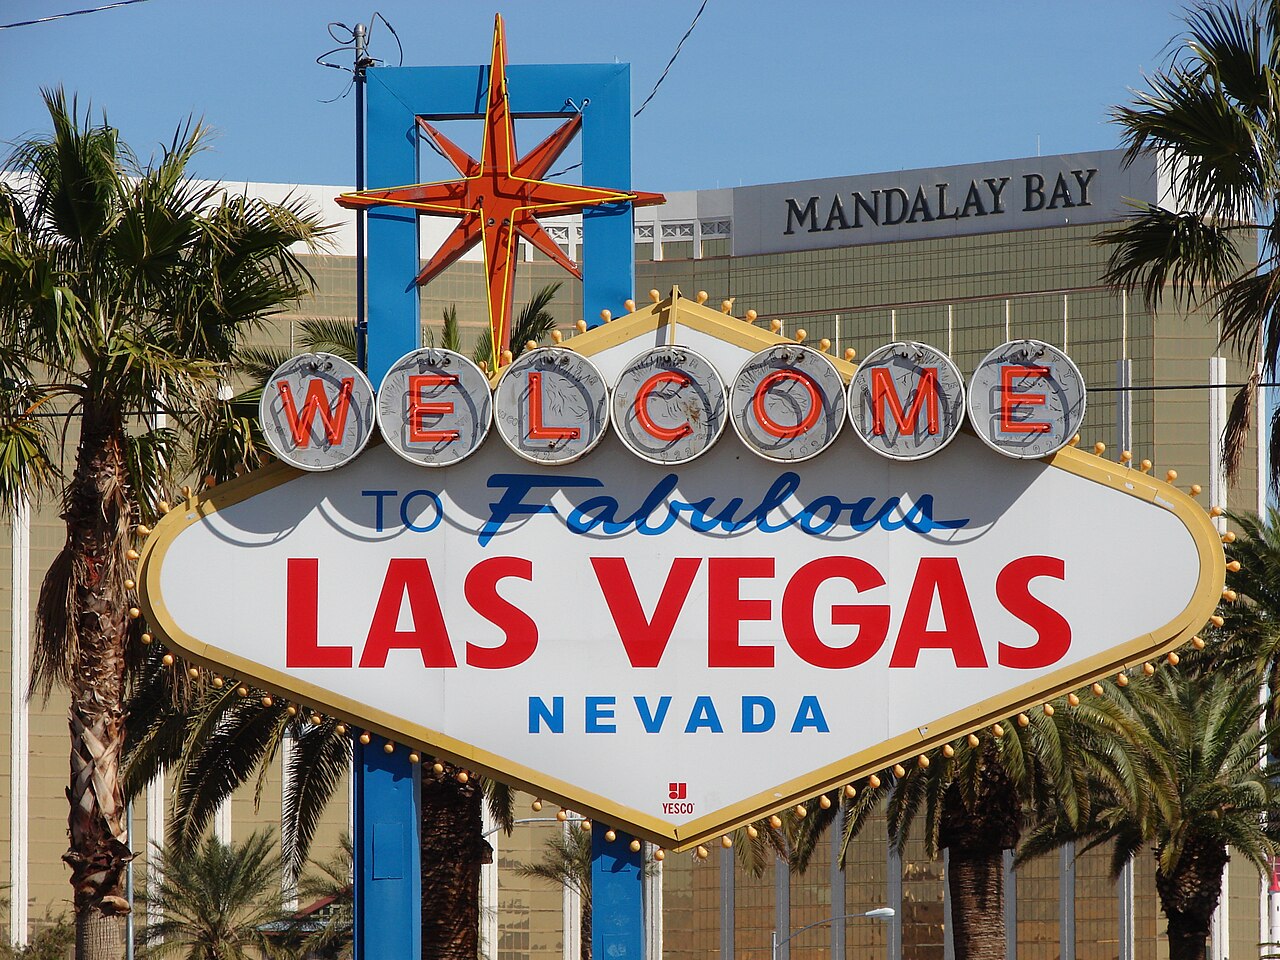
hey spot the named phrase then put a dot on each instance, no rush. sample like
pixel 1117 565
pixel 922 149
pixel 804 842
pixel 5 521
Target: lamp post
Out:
pixel 879 913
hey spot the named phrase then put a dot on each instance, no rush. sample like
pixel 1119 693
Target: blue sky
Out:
pixel 762 91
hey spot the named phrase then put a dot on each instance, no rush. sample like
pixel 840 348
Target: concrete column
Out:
pixel 651 884
pixel 782 907
pixel 1124 890
pixel 571 912
pixel 1220 925
pixel 19 719
pixel 837 886
pixel 489 889
pixel 948 932
pixel 222 821
pixel 1010 908
pixel 288 882
pixel 1067 899
pixel 893 899
pixel 155 842
pixel 727 894
pixel 1217 420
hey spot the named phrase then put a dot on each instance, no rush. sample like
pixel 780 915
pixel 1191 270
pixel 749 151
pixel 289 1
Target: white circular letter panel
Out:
pixel 906 401
pixel 787 402
pixel 1026 399
pixel 669 405
pixel 434 407
pixel 551 406
pixel 317 411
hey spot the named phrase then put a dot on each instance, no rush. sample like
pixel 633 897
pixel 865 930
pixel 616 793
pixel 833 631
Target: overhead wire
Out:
pixel 697 16
pixel 69 13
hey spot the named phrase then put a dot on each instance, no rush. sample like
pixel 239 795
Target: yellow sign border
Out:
pixel 668 313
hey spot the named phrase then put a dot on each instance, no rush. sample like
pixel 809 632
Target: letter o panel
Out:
pixel 1026 399
pixel 669 405
pixel 434 407
pixel 317 411
pixel 787 403
pixel 551 406
pixel 906 401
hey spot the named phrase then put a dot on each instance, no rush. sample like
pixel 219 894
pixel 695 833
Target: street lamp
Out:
pixel 879 913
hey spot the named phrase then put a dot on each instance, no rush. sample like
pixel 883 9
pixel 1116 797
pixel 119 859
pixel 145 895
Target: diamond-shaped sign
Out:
pixel 676 649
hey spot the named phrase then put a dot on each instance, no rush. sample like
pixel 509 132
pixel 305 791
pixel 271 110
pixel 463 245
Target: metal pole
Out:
pixel 128 926
pixel 362 321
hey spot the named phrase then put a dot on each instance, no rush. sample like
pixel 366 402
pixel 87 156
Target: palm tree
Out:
pixel 1174 759
pixel 566 862
pixel 124 290
pixel 213 740
pixel 216 901
pixel 973 798
pixel 533 324
pixel 1212 120
pixel 450 333
pixel 327 932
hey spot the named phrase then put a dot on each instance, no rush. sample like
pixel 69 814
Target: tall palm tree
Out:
pixel 1174 759
pixel 1212 119
pixel 533 324
pixel 973 798
pixel 124 290
pixel 216 901
pixel 328 934
pixel 566 862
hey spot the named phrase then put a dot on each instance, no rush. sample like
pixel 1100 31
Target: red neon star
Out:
pixel 499 197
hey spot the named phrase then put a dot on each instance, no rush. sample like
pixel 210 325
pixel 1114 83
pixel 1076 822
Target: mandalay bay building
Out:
pixel 963 258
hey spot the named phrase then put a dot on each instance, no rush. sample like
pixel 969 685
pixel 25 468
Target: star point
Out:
pixel 499 197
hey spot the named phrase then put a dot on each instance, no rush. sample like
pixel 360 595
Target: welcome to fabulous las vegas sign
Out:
pixel 703 572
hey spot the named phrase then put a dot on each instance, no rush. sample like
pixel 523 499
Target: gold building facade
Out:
pixel 959 287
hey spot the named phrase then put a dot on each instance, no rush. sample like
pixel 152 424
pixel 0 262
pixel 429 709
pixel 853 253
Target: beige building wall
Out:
pixel 962 295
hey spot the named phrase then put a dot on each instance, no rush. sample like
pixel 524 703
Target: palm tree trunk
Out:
pixel 83 601
pixel 584 922
pixel 976 839
pixel 975 880
pixel 1189 894
pixel 453 851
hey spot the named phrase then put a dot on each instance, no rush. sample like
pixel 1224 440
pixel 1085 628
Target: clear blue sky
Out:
pixel 762 91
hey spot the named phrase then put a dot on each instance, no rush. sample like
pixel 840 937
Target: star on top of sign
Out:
pixel 499 198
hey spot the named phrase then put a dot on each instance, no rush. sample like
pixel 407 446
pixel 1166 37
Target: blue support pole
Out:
pixel 387 788
pixel 388 889
pixel 617 914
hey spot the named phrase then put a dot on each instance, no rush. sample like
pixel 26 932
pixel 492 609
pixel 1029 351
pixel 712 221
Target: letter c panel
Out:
pixel 787 403
pixel 669 405
pixel 906 401
pixel 434 407
pixel 317 411
pixel 551 406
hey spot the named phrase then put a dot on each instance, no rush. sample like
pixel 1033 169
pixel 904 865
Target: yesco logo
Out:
pixel 787 403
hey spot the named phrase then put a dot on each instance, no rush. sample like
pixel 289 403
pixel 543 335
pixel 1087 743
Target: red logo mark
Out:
pixel 677 791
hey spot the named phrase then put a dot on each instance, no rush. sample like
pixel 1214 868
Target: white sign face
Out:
pixel 317 411
pixel 551 406
pixel 1026 399
pixel 669 405
pixel 907 400
pixel 434 407
pixel 616 631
